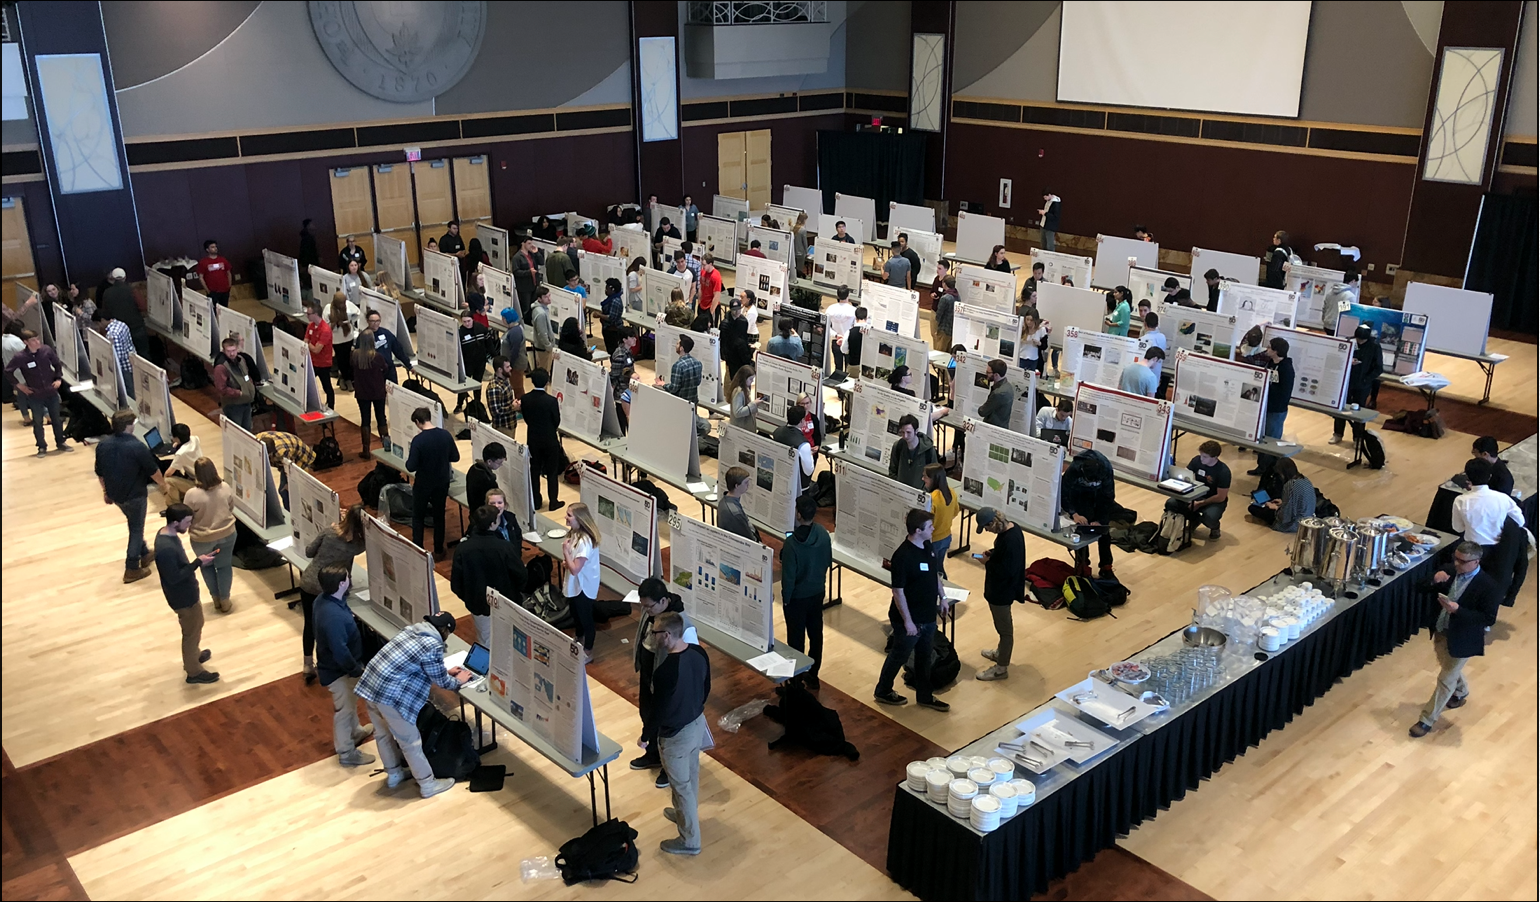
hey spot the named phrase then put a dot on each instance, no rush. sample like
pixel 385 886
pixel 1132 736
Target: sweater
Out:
pixel 1297 503
pixel 213 512
pixel 178 575
pixel 806 556
pixel 486 561
pixel 478 482
pixel 680 686
pixel 732 518
pixel 339 647
pixel 428 460
pixel 324 550
pixel 996 409
pixel 1005 573
pixel 907 465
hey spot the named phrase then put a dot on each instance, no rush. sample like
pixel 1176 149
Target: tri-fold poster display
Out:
pixel 970 388
pixel 837 264
pixel 1218 395
pixel 497 285
pixel 513 476
pixel 250 475
pixel 871 509
pixel 987 332
pixel 987 288
pixel 1232 267
pixel 598 269
pixel 724 579
pixel 629 242
pixel 666 442
pixel 293 374
pixel 1057 267
pixel 313 507
pixel 909 218
pixel 536 673
pixel 283 291
pixel 438 345
pixel 401 584
pixel 1322 364
pixel 495 242
pixel 892 309
pixel 1062 306
pixel 1401 336
pixel 707 349
pixel 1099 358
pixel 628 526
pixel 107 376
pixel 152 396
pixel 441 278
pixel 582 390
pixel 771 499
pixel 875 411
pixel 1133 432
pixel 198 326
pixel 977 235
pixel 565 305
pixel 1014 473
pixel 69 344
pixel 390 256
pixel 1458 320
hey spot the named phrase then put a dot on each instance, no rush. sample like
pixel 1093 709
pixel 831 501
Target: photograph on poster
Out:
pixel 1314 285
pixel 883 352
pixel 1015 474
pixel 775 244
pixel 987 288
pixel 536 673
pixel 870 509
pixel 1223 395
pixel 767 278
pixel 1099 358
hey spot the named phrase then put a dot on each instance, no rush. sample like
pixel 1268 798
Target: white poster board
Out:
pixel 775 244
pixel 391 317
pixel 891 308
pixel 780 383
pixel 106 374
pixel 910 218
pixel 1322 364
pixel 313 507
pixel 808 200
pixel 1064 307
pixel 987 288
pixel 1458 320
pixel 1215 394
pixel 1012 473
pixel 875 411
pixel 977 236
pixel 565 305
pixel 401 584
pixel 160 299
pixel 1236 267
pixel 441 278
pixel 1254 305
pixel 724 579
pixel 399 405
pixel 836 263
pixel 928 246
pixel 628 526
pixel 282 275
pixel 199 330
pixel 855 228
pixel 1198 330
pixel 1313 284
pixel 250 475
pixel 707 349
pixel 536 674
pixel 970 389
pixel 884 352
pixel 598 269
pixel 664 443
pixel 513 476
pixel 853 206
pixel 733 208
pixel 988 332
pixel 673 245
pixel 1099 358
pixel 718 237
pixel 293 373
pixel 657 288
pixel 771 499
pixel 152 396
pixel 495 242
pixel 1133 432
pixel 497 285
pixel 69 344
pixel 234 324
pixel 582 390
pixel 659 212
pixel 870 510
pixel 390 256
pixel 767 277
pixel 324 285
pixel 1146 284
pixel 438 344
pixel 1058 266
pixel 1112 254
pixel 627 242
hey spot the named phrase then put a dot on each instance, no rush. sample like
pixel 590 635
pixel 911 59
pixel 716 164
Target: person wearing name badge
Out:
pixel 318 340
pixel 214 272
pixel 42 374
pixel 485 560
pixel 350 253
pixel 450 242
pixel 342 318
pixel 341 648
pixel 806 556
pixel 179 584
pixel 428 459
pixel 917 600
pixel 354 280
pixel 841 235
pixel 1005 584
pixel 1138 378
pixel 213 530
pixel 654 600
pixel 1343 294
pixel 580 552
pixel 335 545
pixel 1208 510
pixel 1048 219
pixel 473 352
pixel 1118 313
pixel 233 384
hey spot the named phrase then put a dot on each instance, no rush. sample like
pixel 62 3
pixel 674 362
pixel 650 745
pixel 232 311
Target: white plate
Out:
pixel 1108 704
pixel 557 533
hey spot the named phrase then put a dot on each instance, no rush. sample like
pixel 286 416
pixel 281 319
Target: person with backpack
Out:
pixel 432 451
pixel 1368 364
pixel 917 600
pixel 484 560
pixel 482 477
pixel 655 601
pixel 336 545
pixel 681 684
pixel 1005 584
pixel 806 557
pixel 235 383
pixel 1088 493
pixel 341 652
pixel 394 687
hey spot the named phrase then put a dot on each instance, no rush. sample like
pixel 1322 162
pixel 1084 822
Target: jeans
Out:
pixel 1272 429
pixel 804 621
pixel 428 500
pixel 903 644
pixel 37 408
pixel 681 761
pixel 1007 632
pixel 483 629
pixel 399 743
pixel 239 414
pixel 941 546
pixel 1051 241
pixel 133 511
pixel 1451 681
pixel 583 611
pixel 344 714
pixel 307 633
pixel 324 373
pixel 191 620
pixel 218 575
pixel 1103 554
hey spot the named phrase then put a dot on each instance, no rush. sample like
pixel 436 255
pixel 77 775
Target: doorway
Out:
pixel 743 166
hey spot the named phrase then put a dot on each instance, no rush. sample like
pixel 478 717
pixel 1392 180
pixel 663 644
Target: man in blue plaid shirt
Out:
pixel 685 377
pixel 395 687
pixel 502 404
pixel 122 340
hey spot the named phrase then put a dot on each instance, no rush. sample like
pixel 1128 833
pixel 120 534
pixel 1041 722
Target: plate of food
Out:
pixel 1423 540
pixel 1129 672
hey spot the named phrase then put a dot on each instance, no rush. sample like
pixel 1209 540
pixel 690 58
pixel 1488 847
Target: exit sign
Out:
pixel 413 154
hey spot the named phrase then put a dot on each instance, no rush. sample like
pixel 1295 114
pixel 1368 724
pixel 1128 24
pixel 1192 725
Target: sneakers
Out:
pixel 935 704
pixel 222 604
pixel 1334 440
pixel 556 505
pixel 354 758
pixel 676 846
pixel 671 815
pixel 207 676
pixel 646 762
pixel 1213 534
pixel 991 674
pixel 132 576
pixel 431 788
pixel 42 452
pixel 203 656
pixel 66 447
pixel 990 654
pixel 1419 730
pixel 662 781
pixel 1457 701
pixel 890 698
pixel 363 733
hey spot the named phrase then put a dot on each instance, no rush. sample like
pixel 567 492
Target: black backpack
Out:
pixel 537 571
pixel 475 409
pixel 447 744
pixel 369 487
pixel 417 387
pixel 1373 450
pixel 328 454
pixel 1324 508
pixel 808 723
pixel 605 852
pixel 823 489
pixel 195 374
pixel 944 663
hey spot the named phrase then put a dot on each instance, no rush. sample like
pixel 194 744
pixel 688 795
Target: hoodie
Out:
pixel 805 559
pixel 908 465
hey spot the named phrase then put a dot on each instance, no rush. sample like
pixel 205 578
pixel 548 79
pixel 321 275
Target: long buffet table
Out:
pixel 1082 809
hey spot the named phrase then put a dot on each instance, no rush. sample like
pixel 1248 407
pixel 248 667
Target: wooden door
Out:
pixel 732 175
pixel 352 208
pixel 396 208
pixel 757 168
pixel 435 197
pixel 16 262
pixel 473 194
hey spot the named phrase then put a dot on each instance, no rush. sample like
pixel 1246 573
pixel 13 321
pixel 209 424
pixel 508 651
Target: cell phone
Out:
pixel 978 557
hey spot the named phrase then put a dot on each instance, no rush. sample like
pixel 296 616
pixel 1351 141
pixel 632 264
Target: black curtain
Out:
pixel 1503 261
pixel 884 166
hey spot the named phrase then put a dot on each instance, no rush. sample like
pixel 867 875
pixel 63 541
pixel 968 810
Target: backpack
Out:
pixel 1324 508
pixel 944 663
pixel 708 445
pixel 447 744
pixel 1372 448
pixel 369 487
pixel 537 572
pixel 574 472
pixel 1044 577
pixel 195 374
pixel 823 489
pixel 417 387
pixel 1173 532
pixel 396 503
pixel 605 852
pixel 86 421
pixel 1084 599
pixel 475 409
pixel 328 454
pixel 544 602
pixel 647 485
pixel 1113 592
pixel 808 723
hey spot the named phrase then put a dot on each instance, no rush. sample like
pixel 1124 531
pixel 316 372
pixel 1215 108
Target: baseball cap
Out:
pixel 986 516
pixel 443 621
pixel 118 273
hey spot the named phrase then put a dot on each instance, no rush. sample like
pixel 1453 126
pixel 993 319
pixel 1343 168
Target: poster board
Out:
pixel 1200 331
pixel 1013 473
pixel 1064 307
pixel 812 327
pixel 1112 253
pixel 1254 305
pixel 1313 284
pixel 199 330
pixel 772 498
pixel 565 305
pixel 786 216
pixel 779 383
pixel 910 218
pixel 671 245
pixel 884 352
pixel 775 244
pixel 1147 284
pixel 766 276
pixel 724 579
pixel 438 344
pixel 855 228
pixel 927 245
pixel 497 285
pixel 970 389
pixel 985 331
pixel 32 317
pixel 1458 320
pixel 875 411
pixel 391 317
pixel 657 287
pixel 69 344
pixel 235 324
pixel 282 274
pixel 1401 336
pixel 1058 266
pixel 536 674
pixel 1235 267
pixel 582 390
pixel 324 285
pixel 987 288
pixel 1322 365
pixel 708 350
pixel 399 405
pixel 734 208
pixel 718 237
pixel 628 526
pixel 659 212
pixel 106 374
pixel 152 396
pixel 836 263
pixel 313 506
pixel 250 475
pixel 808 200
pixel 598 269
pixel 513 476
pixel 1133 432
pixel 869 512
pixel 160 299
pixel 1213 393
pixel 1099 358
pixel 293 372
pixel 977 235
pixel 441 278
pixel 390 256
pixel 853 206
pixel 892 309
pixel 627 242
pixel 401 584
pixel 666 445
pixel 495 242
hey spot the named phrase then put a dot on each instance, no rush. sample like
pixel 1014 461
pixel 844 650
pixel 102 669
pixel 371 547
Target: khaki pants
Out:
pixel 176 488
pixel 681 761
pixel 542 360
pixel 1007 630
pixel 1451 681
pixel 399 744
pixel 344 714
pixel 191 619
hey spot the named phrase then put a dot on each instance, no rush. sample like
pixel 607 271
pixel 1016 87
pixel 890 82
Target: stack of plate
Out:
pixel 916 773
pixel 983 776
pixel 960 796
pixel 936 763
pixel 1006 794
pixel 959 765
pixel 1004 767
pixel 936 783
pixel 985 813
pixel 1026 793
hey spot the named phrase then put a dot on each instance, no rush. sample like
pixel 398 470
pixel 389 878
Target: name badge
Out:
pixel 32 365
pixel 924 568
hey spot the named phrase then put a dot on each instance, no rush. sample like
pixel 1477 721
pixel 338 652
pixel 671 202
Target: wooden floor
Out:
pixel 120 775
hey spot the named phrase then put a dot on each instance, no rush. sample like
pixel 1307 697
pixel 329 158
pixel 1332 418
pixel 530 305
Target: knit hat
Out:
pixel 510 315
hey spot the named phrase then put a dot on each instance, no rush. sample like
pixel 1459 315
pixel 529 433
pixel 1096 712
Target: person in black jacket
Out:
pixel 433 450
pixel 1005 583
pixel 1485 448
pixel 350 253
pixel 1280 390
pixel 736 351
pixel 473 350
pixel 681 685
pixel 1467 604
pixel 1368 363
pixel 485 561
pixel 1277 257
pixel 482 477
pixel 542 418
pixel 528 266
pixel 1088 493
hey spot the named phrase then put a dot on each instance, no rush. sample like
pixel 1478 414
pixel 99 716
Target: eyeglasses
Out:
pixel 1466 560
pixel 658 632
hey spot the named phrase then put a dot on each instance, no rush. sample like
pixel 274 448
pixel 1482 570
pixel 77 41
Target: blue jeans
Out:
pixel 1272 428
pixel 903 644
pixel 1050 241
pixel 240 414
pixel 217 575
pixel 37 408
pixel 941 547
pixel 133 511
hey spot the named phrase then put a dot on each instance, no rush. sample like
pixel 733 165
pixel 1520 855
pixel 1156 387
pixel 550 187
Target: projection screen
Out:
pixel 1244 58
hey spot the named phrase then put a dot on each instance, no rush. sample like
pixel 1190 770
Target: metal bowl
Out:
pixel 1203 637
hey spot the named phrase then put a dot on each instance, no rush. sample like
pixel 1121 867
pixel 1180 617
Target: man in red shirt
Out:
pixel 592 245
pixel 214 272
pixel 710 286
pixel 318 338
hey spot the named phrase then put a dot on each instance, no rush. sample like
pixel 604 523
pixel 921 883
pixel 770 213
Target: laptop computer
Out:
pixel 478 659
pixel 156 444
pixel 1055 436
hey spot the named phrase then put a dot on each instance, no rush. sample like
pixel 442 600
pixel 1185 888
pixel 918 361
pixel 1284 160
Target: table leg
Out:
pixel 1490 369
pixel 593 797
pixel 604 774
pixel 835 595
pixel 967 518
pixel 292 590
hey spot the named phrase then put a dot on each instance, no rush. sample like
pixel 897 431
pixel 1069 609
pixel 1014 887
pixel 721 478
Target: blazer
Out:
pixel 542 416
pixel 1478 610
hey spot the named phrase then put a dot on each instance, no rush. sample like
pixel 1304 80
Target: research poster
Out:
pixel 774 244
pixel 536 674
pixel 766 277
pixel 495 242
pixel 1322 364
pixel 106 374
pixel 198 327
pixel 771 500
pixel 657 289
pixel 987 332
pixel 970 389
pixel 438 344
pixel 1217 394
pixel 293 374
pixel 628 526
pixel 497 285
pixel 826 224
pixel 1401 336
pixel 1200 331
pixel 565 305
pixel 390 256
pixel 1013 473
pixel 884 352
pixel 629 242
pixel 892 309
pixel 391 317
pixel 401 584
pixel 1254 305
pixel 837 264
pixel 599 269
pixel 582 390
pixel 724 579
pixel 70 346
pixel 733 208
pixel 1057 267
pixel 708 350
pixel 513 476
pixel 283 291
pixel 870 510
pixel 665 442
pixel 250 475
pixel 160 299
pixel 927 245
pixel 718 237
pixel 324 285
pixel 986 288
pixel 399 405
pixel 1133 432
pixel 441 278
pixel 811 327
pixel 152 396
pixel 235 324
pixel 313 508
pixel 780 384
pixel 1099 358
pixel 1150 285
pixel 875 411
pixel 1313 284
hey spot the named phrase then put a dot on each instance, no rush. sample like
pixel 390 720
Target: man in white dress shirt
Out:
pixel 1479 513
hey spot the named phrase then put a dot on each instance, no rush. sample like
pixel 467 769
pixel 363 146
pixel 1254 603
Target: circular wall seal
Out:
pixel 400 51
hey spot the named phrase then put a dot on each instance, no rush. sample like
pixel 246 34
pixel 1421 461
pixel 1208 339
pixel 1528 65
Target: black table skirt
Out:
pixel 936 856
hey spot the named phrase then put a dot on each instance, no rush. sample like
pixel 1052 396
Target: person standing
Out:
pixel 473 352
pixel 42 375
pixel 335 545
pixel 1048 219
pixel 482 477
pixel 214 272
pixel 743 406
pixel 451 243
pixel 730 514
pixel 912 453
pixel 684 377
pixel 1479 512
pixel 1278 254
pixel 791 435
pixel 388 346
pixel 369 371
pixel 681 685
pixel 432 451
pixel 1139 377
pixel 944 505
pixel 612 312
pixel 318 339
pixel 1088 493
pixel 786 343
pixel 908 253
pixel 1118 315
pixel 897 271
pixel 737 353
pixel 213 530
pixel 122 340
pixel 119 303
pixel 485 560
pixel 691 218
pixel 1485 448
pixel 1363 375
pixel 1005 584
pixel 1468 599
pixel 234 383
pixel 124 467
pixel 580 552
pixel 528 264
pixel 996 409
pixel 514 349
pixel 1342 295
pixel 341 653
pixel 502 402
pixel 350 253
pixel 558 263
pixel 806 556
pixel 395 686
pixel 841 316
pixel 655 600
pixel 710 287
pixel 1208 510
pixel 944 315
pixel 1280 390
pixel 542 420
pixel 179 582
pixel 342 318
pixel 917 600
pixel 541 336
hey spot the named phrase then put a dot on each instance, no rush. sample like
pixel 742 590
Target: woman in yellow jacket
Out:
pixel 943 506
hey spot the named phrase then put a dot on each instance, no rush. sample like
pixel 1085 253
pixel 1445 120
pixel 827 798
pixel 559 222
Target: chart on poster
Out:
pixel 1099 358
pixel 1133 432
pixel 1322 365
pixel 1200 331
pixel 160 299
pixel 766 277
pixel 582 390
pixel 987 288
pixel 283 291
pixel 780 384
pixel 513 476
pixel 707 349
pixel 987 332
pixel 1013 473
pixel 628 526
pixel 875 411
pixel 152 396
pixel 401 584
pixel 837 264
pixel 1057 267
pixel 536 673
pixel 313 507
pixel 249 474
pixel 293 374
pixel 400 403
pixel 870 510
pixel 771 500
pixel 724 580
pixel 1217 394
pixel 892 309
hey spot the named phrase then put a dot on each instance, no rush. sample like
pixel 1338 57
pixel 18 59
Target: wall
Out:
pixel 793 152
pixel 1525 98
pixel 877 45
pixel 832 78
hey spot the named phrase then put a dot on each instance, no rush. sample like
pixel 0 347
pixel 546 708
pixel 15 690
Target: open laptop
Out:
pixel 1055 436
pixel 156 444
pixel 478 659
